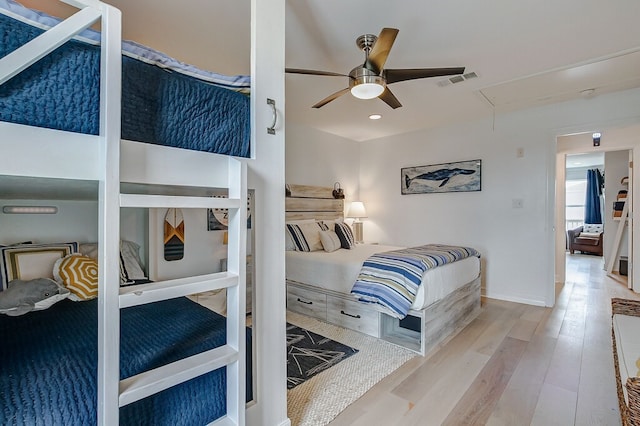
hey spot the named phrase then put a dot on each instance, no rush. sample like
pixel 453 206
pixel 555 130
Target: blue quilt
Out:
pixel 48 364
pixel 61 91
pixel 391 279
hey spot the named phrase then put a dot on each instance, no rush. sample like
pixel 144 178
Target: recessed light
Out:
pixel 375 116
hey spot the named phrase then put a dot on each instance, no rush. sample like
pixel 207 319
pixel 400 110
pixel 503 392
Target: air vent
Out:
pixel 457 79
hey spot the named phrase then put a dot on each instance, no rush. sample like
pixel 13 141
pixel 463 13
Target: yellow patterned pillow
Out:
pixel 79 274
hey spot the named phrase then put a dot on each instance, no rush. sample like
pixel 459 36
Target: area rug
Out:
pixel 309 353
pixel 320 399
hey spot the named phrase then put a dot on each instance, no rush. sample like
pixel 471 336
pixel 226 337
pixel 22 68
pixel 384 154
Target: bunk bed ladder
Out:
pixel 232 354
pixel 114 393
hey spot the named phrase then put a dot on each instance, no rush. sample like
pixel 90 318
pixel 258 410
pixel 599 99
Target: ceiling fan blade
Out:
pixel 381 48
pixel 313 72
pixel 394 76
pixel 331 97
pixel 390 99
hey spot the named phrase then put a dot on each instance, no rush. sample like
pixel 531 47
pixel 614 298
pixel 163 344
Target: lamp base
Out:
pixel 357 230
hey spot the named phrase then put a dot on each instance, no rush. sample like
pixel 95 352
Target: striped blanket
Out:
pixel 391 279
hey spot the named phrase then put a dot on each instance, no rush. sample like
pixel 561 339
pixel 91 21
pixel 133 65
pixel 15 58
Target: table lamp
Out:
pixel 357 212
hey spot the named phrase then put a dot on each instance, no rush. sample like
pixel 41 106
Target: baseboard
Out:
pixel 287 422
pixel 525 301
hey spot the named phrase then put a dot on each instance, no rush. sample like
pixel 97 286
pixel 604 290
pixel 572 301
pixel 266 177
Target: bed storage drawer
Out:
pixel 307 302
pixel 353 315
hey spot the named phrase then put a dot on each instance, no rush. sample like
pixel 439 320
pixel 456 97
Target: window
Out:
pixel 575 193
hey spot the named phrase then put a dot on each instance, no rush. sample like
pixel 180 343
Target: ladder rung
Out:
pixel 223 421
pixel 167 201
pixel 153 381
pixel 140 294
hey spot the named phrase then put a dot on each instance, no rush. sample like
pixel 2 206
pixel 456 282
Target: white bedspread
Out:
pixel 338 271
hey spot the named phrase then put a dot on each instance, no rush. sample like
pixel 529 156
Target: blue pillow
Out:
pixel 345 235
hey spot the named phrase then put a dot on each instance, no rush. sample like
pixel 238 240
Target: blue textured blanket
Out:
pixel 61 91
pixel 391 279
pixel 48 364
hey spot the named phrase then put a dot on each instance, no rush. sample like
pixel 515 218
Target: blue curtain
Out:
pixel 595 180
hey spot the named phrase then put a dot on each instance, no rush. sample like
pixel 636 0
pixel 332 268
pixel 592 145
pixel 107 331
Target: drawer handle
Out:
pixel 304 301
pixel 349 315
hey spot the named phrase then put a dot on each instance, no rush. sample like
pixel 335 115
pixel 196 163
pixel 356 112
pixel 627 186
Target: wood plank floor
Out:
pixel 514 365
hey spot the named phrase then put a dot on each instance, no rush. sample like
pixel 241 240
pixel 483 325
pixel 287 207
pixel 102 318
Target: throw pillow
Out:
pixel 592 227
pixel 345 234
pixel 288 241
pixel 79 274
pixel 30 261
pixel 32 295
pixel 330 241
pixel 130 263
pixel 305 236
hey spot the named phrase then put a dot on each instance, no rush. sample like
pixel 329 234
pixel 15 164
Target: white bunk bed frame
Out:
pixel 105 158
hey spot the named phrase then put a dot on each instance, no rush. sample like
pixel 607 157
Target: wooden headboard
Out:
pixel 312 202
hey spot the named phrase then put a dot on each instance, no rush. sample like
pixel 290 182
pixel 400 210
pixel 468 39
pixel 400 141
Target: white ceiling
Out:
pixel 587 160
pixel 526 53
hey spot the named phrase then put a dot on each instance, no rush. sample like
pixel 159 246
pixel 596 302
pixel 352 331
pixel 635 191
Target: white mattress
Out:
pixel 337 271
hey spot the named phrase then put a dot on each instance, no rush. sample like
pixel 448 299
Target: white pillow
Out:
pixel 130 263
pixel 592 227
pixel 330 241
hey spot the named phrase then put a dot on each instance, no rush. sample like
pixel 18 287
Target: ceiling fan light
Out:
pixel 367 90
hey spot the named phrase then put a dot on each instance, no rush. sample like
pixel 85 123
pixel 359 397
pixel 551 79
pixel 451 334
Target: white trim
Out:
pixel 524 300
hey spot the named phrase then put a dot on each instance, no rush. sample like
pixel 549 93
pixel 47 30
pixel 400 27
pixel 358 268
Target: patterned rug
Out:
pixel 309 354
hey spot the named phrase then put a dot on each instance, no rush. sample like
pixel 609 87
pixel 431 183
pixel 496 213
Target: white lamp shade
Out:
pixel 357 210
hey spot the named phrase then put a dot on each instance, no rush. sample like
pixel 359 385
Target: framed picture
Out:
pixel 461 176
pixel 218 219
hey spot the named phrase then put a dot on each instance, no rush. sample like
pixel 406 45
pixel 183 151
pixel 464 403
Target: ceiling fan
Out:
pixel 371 79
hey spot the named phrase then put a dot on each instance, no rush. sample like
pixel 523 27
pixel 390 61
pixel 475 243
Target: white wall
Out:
pixel 616 166
pixel 517 244
pixel 318 158
pixel 202 249
pixel 75 221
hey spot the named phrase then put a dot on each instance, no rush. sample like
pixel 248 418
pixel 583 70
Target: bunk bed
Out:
pixel 85 138
pixel 320 283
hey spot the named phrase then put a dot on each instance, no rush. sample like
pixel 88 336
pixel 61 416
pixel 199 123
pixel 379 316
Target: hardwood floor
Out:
pixel 514 365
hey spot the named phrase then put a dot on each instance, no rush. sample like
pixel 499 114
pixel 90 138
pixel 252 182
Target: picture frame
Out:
pixel 459 176
pixel 218 219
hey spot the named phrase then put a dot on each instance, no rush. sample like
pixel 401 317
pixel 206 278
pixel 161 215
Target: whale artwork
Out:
pixel 450 177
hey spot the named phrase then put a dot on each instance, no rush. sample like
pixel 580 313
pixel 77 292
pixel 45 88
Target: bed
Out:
pixel 142 151
pixel 164 101
pixel 49 363
pixel 319 284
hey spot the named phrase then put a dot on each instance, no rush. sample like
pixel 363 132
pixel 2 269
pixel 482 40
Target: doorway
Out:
pixel 622 153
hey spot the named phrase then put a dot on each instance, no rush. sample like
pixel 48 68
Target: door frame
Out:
pixel 619 139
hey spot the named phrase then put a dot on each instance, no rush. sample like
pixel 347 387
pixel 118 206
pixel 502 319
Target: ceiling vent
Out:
pixel 457 79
